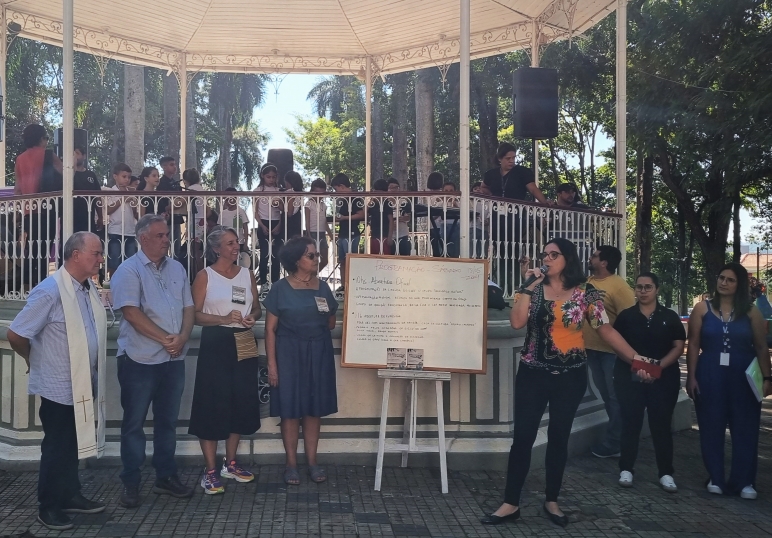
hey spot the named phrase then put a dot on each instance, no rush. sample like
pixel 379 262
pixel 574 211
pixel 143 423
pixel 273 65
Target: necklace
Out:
pixel 304 282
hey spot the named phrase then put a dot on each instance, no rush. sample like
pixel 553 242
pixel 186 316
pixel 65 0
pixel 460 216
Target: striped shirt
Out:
pixel 161 293
pixel 42 323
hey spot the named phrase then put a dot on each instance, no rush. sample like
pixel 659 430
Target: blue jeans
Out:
pixel 602 368
pixel 162 384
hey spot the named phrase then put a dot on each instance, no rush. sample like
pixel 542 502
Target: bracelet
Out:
pixel 524 291
pixel 768 378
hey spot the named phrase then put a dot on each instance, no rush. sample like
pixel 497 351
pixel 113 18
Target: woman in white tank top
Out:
pixel 226 399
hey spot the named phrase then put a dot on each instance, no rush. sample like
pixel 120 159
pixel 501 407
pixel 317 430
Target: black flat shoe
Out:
pixel 55 519
pixel 81 505
pixel 561 521
pixel 498 520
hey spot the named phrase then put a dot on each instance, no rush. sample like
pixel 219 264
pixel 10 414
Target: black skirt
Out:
pixel 226 397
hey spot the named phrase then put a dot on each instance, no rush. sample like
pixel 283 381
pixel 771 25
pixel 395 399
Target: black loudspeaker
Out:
pixel 81 139
pixel 535 102
pixel 283 160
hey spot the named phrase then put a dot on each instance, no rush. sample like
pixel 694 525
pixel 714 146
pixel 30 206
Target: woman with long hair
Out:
pixel 294 205
pixel 726 333
pixel 657 334
pixel 552 369
pixel 269 225
pixel 226 397
pixel 148 182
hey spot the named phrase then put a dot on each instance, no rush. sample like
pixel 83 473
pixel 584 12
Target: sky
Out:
pixel 286 99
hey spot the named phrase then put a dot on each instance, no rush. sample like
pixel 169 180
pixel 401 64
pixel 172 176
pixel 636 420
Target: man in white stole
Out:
pixel 62 334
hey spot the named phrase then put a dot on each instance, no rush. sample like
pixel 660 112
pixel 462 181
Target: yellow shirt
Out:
pixel 617 296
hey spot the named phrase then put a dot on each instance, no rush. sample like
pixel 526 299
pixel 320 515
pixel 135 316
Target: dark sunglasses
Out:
pixel 311 255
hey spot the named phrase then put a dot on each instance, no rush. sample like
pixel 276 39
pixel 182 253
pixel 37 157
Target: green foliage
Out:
pixel 324 148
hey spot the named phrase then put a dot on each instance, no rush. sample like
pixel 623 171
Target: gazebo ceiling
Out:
pixel 300 36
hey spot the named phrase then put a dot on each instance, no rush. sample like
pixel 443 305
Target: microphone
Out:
pixel 531 279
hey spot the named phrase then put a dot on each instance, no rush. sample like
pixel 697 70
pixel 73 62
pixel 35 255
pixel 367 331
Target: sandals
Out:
pixel 291 476
pixel 317 474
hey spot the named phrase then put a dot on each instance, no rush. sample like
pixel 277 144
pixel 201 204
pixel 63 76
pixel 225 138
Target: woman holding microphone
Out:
pixel 553 369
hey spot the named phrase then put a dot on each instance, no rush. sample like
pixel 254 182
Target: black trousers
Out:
pixel 58 479
pixel 536 388
pixel 659 398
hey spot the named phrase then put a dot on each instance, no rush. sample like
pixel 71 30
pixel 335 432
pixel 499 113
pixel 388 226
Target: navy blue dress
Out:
pixel 726 399
pixel 304 352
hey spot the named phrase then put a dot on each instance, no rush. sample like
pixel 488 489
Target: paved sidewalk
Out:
pixel 411 504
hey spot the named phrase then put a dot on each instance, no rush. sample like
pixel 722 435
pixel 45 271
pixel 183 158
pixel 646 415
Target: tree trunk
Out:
pixel 486 103
pixel 643 216
pixel 223 171
pixel 377 131
pixel 191 156
pixel 400 104
pixel 736 242
pixel 424 126
pixel 171 116
pixel 134 116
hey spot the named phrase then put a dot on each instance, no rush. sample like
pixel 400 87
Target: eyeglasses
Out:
pixel 311 255
pixel 552 255
pixel 727 279
pixel 644 287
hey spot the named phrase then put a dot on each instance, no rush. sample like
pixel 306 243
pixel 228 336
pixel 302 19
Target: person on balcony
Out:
pixel 148 183
pixel 617 295
pixel 153 294
pixel 173 207
pixel 350 212
pixel 86 213
pixel 123 214
pixel 268 212
pixel 294 182
pixel 567 197
pixel 301 363
pixel 380 218
pixel 512 182
pixel 403 209
pixel 317 227
pixel 226 397
pixel 62 335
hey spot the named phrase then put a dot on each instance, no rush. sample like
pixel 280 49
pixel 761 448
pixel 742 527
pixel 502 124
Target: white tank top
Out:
pixel 224 295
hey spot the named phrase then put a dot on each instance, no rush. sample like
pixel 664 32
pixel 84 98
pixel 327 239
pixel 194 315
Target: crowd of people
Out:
pixel 627 340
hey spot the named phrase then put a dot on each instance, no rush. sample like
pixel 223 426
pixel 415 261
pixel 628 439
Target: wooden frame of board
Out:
pixel 484 263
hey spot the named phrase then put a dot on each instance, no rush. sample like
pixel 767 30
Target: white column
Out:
pixel 621 135
pixel 368 122
pixel 68 118
pixel 3 58
pixel 536 36
pixel 463 135
pixel 183 80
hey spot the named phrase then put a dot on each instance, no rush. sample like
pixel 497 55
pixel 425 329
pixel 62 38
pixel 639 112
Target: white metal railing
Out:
pixel 422 224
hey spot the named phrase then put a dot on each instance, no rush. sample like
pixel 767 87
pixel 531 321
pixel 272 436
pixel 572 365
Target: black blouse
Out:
pixel 651 337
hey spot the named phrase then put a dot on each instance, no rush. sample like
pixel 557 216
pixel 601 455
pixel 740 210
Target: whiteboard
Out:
pixel 429 310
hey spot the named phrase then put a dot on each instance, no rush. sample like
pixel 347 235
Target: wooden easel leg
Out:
pixel 382 434
pixel 407 428
pixel 441 436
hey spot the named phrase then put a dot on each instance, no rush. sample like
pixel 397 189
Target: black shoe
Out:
pixel 130 497
pixel 561 521
pixel 81 505
pixel 171 485
pixel 55 519
pixel 498 520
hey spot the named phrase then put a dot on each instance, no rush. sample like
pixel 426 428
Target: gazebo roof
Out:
pixel 300 36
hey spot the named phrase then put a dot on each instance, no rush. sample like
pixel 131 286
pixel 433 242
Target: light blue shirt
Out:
pixel 161 293
pixel 41 321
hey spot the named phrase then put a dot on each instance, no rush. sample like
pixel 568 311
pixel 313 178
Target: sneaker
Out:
pixel 130 497
pixel 235 471
pixel 715 490
pixel 81 505
pixel 171 485
pixel 748 493
pixel 626 479
pixel 603 452
pixel 55 519
pixel 211 483
pixel 668 484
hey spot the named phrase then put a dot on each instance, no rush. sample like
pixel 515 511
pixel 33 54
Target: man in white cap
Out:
pixel 62 334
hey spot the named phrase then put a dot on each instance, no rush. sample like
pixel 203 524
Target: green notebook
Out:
pixel 755 379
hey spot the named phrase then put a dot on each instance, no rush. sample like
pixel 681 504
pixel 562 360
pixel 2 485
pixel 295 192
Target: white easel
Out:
pixel 408 443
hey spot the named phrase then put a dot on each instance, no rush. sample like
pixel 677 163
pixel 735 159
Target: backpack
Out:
pixel 496 298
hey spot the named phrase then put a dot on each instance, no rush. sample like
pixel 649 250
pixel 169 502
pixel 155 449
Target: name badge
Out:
pixel 321 305
pixel 238 295
pixel 724 359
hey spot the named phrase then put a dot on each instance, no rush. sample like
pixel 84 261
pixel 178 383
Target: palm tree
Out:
pixel 246 157
pixel 337 95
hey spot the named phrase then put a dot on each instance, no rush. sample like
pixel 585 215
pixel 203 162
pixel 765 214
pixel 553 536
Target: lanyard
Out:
pixel 725 328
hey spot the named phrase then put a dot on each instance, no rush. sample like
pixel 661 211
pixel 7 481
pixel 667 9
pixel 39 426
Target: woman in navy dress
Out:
pixel 301 363
pixel 725 334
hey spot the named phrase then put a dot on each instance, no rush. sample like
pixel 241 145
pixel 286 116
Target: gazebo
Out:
pixel 367 38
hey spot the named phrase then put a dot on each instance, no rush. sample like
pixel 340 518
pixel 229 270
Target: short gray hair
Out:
pixel 146 222
pixel 214 240
pixel 77 241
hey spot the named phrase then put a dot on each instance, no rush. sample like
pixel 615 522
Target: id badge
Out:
pixel 238 295
pixel 724 359
pixel 321 305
